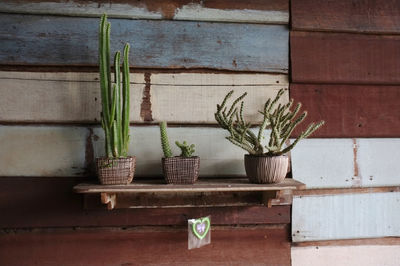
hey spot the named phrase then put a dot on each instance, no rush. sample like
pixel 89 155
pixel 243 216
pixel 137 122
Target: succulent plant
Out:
pixel 280 119
pixel 186 149
pixel 114 95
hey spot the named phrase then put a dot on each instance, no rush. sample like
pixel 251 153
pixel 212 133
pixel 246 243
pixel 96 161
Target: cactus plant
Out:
pixel 280 119
pixel 114 96
pixel 164 140
pixel 186 149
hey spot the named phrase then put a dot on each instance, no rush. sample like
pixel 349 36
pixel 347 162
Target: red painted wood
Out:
pixel 344 58
pixel 350 110
pixel 378 16
pixel 50 202
pixel 229 246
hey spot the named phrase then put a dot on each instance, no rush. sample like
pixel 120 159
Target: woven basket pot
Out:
pixel 181 170
pixel 266 169
pixel 116 171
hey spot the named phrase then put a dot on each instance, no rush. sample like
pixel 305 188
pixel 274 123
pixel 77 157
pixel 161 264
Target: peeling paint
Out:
pixel 356 179
pixel 145 107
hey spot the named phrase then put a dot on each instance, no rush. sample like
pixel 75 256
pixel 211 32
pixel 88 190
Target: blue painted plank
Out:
pixel 52 40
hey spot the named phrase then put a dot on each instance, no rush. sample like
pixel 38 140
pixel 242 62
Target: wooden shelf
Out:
pixel 205 192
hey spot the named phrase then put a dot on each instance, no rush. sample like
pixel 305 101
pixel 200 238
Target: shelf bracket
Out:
pixel 277 197
pixel 110 199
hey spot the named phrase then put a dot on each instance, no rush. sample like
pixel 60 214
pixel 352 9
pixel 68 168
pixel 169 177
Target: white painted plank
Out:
pixel 181 98
pixel 322 163
pixel 57 97
pixel 209 79
pixel 42 151
pixel 368 255
pixel 198 103
pixel 341 163
pixel 379 162
pixel 60 151
pixel 192 11
pixel 345 216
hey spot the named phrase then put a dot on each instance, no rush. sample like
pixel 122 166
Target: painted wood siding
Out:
pixel 345 69
pixel 72 97
pixel 346 216
pixel 251 11
pixel 362 16
pixel 54 40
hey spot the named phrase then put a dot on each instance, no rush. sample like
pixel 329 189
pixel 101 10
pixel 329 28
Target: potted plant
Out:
pixel 116 167
pixel 183 169
pixel 264 163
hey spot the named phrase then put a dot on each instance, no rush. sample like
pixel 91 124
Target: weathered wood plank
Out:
pixel 208 185
pixel 251 11
pixel 380 16
pixel 29 202
pixel 181 98
pixel 344 58
pixel 68 151
pixel 368 255
pixel 336 163
pixel 51 40
pixel 124 247
pixel 345 216
pixel 351 110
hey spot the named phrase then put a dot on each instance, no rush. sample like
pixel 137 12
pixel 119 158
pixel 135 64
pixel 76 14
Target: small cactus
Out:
pixel 280 119
pixel 186 150
pixel 164 140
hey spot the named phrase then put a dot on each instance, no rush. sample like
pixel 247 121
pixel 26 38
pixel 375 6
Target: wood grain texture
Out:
pixel 350 110
pixel 70 151
pixel 74 97
pixel 368 255
pixel 253 11
pixel 29 202
pixel 146 247
pixel 345 216
pixel 51 40
pixel 344 58
pixel 381 16
pixel 346 163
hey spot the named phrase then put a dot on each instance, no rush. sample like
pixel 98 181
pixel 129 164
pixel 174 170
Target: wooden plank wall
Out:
pixel 345 69
pixel 185 56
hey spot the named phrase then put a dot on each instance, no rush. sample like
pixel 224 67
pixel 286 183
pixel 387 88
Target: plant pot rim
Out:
pixel 115 158
pixel 181 157
pixel 264 155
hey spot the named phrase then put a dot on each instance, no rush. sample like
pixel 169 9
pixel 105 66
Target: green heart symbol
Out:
pixel 200 227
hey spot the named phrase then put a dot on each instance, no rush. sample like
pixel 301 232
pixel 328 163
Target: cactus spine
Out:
pixel 280 119
pixel 114 96
pixel 164 140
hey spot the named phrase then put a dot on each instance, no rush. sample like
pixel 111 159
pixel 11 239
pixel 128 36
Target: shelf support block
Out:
pixel 110 199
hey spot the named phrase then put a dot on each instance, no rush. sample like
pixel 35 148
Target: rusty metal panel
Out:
pixel 345 216
pixel 56 40
pixel 380 16
pixel 318 57
pixel 253 11
pixel 350 110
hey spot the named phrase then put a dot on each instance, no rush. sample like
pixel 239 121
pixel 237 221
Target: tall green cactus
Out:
pixel 280 119
pixel 164 140
pixel 114 96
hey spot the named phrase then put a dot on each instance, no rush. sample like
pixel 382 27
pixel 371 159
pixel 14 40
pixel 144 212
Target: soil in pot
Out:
pixel 266 169
pixel 116 171
pixel 181 170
